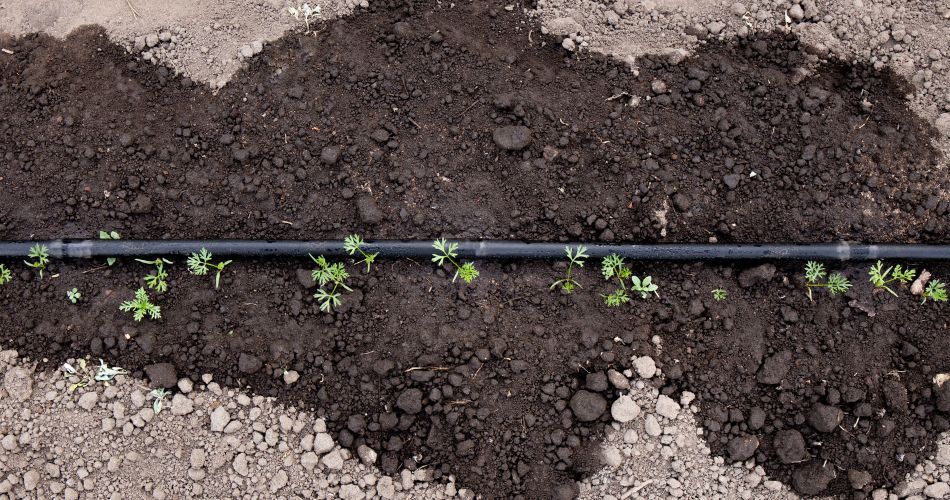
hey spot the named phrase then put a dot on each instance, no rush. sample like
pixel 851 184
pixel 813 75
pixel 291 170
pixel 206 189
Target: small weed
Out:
pixel 104 374
pixel 5 275
pixel 40 255
pixel 200 263
pixel 613 267
pixel 354 243
pixel 720 294
pixel 576 258
pixel 73 295
pixel 141 306
pixel 157 281
pixel 110 235
pixel 159 396
pixel 881 277
pixel 815 271
pixel 327 273
pixel 936 291
pixel 305 11
pixel 448 252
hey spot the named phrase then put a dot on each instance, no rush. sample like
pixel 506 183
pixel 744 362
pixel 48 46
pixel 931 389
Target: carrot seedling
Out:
pixel 354 243
pixel 881 277
pixel 936 291
pixel 613 267
pixel 141 306
pixel 157 281
pixel 327 273
pixel 40 255
pixel 448 252
pixel 575 257
pixel 200 263
pixel 5 275
pixel 815 272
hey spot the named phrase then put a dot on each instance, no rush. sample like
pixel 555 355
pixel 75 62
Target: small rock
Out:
pixel 330 154
pixel 645 367
pixel 181 405
pixel 652 426
pixel 943 124
pixel 658 86
pixel 162 375
pixel 859 478
pixel 612 456
pixel 151 40
pixel 249 363
pixel 368 210
pixel 624 409
pixel 943 455
pixel 588 406
pixel 812 478
pixel 569 44
pixel 366 454
pixel 825 418
pixel 756 275
pixel 88 400
pixel 309 460
pixel 618 380
pixel 796 12
pixel 240 464
pixel 937 490
pixel 410 401
pixel 789 446
pixel 322 443
pixel 742 447
pixel 31 479
pixel 512 138
pixel 278 481
pixel 731 180
pixel 333 460
pixel 291 376
pixel 219 419
pixel 666 407
pixel 18 382
pixel 775 368
pixel 257 46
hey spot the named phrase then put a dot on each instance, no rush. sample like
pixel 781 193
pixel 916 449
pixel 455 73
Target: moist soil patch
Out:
pixel 422 119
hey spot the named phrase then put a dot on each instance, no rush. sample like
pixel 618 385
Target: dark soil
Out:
pixel 409 121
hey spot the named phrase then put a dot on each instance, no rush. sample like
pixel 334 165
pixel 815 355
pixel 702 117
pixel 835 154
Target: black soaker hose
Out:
pixel 489 249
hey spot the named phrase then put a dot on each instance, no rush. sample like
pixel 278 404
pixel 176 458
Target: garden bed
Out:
pixel 396 123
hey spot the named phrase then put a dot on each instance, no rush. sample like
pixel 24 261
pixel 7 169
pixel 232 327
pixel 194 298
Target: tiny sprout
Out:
pixel 200 263
pixel 354 243
pixel 720 294
pixel 109 235
pixel 159 396
pixel 5 275
pixel 936 291
pixel 157 281
pixel 324 274
pixel 879 276
pixel 576 258
pixel 306 11
pixel 141 306
pixel 613 267
pixel 107 373
pixel 815 271
pixel 73 295
pixel 40 255
pixel 448 252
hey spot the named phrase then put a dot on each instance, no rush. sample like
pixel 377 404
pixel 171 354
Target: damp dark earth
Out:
pixel 417 121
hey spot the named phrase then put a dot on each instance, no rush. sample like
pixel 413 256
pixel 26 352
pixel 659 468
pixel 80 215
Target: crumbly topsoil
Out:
pixel 423 119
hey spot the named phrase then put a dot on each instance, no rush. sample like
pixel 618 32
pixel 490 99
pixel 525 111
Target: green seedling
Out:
pixel 720 294
pixel 5 275
pixel 104 374
pixel 200 263
pixel 306 12
pixel 448 252
pixel 613 267
pixel 141 306
pixel 110 235
pixel 576 258
pixel 815 272
pixel 881 277
pixel 936 291
pixel 159 396
pixel 157 281
pixel 354 243
pixel 73 295
pixel 40 255
pixel 325 274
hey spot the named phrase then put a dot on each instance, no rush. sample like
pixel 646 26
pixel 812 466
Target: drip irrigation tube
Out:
pixel 488 249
